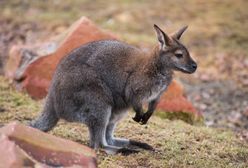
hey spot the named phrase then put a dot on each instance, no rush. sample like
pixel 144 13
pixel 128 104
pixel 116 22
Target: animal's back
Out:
pixel 105 63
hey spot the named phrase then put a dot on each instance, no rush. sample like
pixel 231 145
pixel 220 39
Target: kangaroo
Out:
pixel 98 82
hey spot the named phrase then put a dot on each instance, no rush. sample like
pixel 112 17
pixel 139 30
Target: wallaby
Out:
pixel 97 83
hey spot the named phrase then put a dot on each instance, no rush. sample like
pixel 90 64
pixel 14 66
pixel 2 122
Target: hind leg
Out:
pixel 121 142
pixel 97 128
pixel 95 112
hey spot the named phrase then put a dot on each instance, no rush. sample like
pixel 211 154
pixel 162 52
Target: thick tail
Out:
pixel 47 120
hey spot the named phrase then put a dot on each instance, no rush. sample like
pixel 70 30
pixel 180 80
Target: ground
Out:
pixel 176 143
pixel 217 38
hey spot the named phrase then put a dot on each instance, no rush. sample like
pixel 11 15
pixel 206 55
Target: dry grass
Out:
pixel 177 144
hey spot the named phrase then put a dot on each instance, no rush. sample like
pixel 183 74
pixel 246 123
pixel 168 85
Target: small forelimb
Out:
pixel 151 107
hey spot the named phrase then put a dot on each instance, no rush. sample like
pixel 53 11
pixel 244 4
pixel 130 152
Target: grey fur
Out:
pixel 97 83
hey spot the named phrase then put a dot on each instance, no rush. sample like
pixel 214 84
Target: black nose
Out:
pixel 194 66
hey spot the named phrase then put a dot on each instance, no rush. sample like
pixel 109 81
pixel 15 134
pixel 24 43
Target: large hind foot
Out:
pixel 141 145
pixel 127 151
pixel 112 150
pixel 129 144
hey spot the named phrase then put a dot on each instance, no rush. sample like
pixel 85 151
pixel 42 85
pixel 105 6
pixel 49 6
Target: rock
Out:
pixel 13 62
pixel 174 105
pixel 13 156
pixel 21 56
pixel 36 75
pixel 26 145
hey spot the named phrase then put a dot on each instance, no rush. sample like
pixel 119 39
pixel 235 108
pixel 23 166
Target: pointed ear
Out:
pixel 179 33
pixel 163 38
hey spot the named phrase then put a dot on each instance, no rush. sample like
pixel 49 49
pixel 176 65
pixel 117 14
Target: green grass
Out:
pixel 15 105
pixel 177 144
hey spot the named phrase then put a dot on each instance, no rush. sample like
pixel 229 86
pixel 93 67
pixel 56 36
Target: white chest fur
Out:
pixel 156 90
pixel 158 86
pixel 155 93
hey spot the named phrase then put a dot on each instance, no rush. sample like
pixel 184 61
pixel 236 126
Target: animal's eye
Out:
pixel 179 55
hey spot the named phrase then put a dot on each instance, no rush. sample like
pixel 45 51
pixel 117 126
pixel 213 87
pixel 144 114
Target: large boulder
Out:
pixel 25 146
pixel 175 105
pixel 32 71
pixel 13 156
pixel 20 57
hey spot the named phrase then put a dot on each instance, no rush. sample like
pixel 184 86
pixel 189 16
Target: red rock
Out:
pixel 37 76
pixel 48 149
pixel 13 61
pixel 173 100
pixel 21 56
pixel 13 156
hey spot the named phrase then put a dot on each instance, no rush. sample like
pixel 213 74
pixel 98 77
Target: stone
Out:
pixel 35 76
pixel 35 146
pixel 174 105
pixel 21 56
pixel 12 155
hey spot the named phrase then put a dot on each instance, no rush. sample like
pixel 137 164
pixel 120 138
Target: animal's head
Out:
pixel 173 53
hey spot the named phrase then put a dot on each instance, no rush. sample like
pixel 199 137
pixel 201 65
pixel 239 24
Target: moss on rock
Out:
pixel 187 117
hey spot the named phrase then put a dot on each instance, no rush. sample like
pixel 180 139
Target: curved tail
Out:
pixel 47 119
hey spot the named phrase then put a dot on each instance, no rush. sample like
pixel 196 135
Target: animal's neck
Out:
pixel 154 66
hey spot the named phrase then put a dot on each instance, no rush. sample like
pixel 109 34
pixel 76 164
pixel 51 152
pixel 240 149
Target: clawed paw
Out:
pixel 143 122
pixel 137 118
pixel 142 119
pixel 145 118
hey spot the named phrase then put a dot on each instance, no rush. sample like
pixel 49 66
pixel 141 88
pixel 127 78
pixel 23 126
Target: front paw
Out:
pixel 145 118
pixel 137 118
pixel 143 122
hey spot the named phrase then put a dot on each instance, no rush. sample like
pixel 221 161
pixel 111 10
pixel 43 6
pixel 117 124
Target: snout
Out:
pixel 193 67
pixel 190 68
